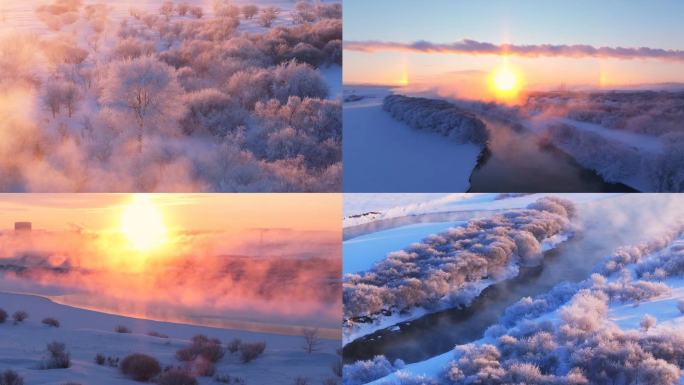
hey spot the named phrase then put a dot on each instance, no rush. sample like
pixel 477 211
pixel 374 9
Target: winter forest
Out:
pixel 560 290
pixel 224 97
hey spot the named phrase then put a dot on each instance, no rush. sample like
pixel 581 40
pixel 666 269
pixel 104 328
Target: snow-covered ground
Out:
pixel 87 333
pixel 333 78
pixel 382 154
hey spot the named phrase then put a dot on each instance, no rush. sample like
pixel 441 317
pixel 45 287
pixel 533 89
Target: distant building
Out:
pixel 22 226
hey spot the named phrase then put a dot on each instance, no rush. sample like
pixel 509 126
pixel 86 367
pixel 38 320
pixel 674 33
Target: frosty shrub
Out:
pixel 202 346
pixel 132 48
pixel 58 357
pixel 176 377
pixel 437 116
pixel 329 11
pixel 234 345
pixel 647 322
pixel 100 359
pixel 196 11
pixel 182 9
pixel 140 367
pixel 306 53
pixel 268 16
pixel 10 377
pixel 3 316
pixel 212 112
pixel 19 316
pixel 157 334
pixel 166 9
pixel 251 351
pixel 301 381
pixel 362 372
pixel 333 51
pixel 122 329
pixel 249 11
pixel 473 363
pixel 52 322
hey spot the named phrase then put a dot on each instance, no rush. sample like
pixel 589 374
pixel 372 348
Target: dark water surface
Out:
pixel 516 162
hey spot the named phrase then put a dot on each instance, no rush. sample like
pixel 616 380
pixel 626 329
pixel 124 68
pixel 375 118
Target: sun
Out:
pixel 142 224
pixel 505 81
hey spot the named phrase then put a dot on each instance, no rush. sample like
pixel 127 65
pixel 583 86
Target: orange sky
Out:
pixel 188 212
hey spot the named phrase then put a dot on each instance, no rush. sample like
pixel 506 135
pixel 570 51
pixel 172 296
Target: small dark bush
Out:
pixel 185 354
pixel 176 377
pixel 201 346
pixel 122 329
pixel 223 378
pixel 10 377
pixel 140 367
pixel 250 351
pixel 301 381
pixel 3 316
pixel 99 359
pixel 58 357
pixel 113 361
pixel 49 321
pixel 158 335
pixel 19 316
pixel 234 345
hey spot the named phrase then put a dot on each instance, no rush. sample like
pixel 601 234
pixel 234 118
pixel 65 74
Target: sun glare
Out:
pixel 505 81
pixel 404 81
pixel 142 224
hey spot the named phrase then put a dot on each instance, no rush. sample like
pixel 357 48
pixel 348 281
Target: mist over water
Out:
pixel 516 162
pixel 603 226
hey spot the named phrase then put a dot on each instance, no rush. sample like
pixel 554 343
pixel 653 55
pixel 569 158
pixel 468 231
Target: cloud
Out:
pixel 472 47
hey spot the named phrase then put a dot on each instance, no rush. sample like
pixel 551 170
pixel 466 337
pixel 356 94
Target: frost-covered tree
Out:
pixel 196 11
pixel 132 48
pixel 182 9
pixel 147 90
pixel 647 322
pixel 166 9
pixel 249 11
pixel 312 339
pixel 304 12
pixel 60 94
pixel 268 16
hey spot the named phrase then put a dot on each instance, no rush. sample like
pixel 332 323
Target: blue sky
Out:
pixel 656 23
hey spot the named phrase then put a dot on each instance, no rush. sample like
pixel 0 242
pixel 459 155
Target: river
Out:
pixel 516 162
